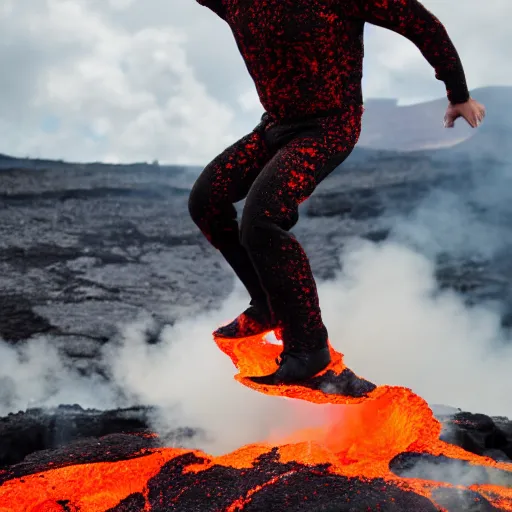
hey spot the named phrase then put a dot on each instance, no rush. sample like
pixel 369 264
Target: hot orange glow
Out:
pixel 88 487
pixel 361 438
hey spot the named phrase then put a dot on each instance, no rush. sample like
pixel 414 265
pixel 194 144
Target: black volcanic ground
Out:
pixel 84 248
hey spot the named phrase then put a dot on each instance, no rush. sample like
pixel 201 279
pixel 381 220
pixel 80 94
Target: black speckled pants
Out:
pixel 276 167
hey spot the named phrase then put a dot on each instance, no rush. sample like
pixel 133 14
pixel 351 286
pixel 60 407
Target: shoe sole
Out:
pixel 220 336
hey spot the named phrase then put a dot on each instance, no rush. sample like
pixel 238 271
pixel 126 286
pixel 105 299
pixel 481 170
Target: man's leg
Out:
pixel 223 182
pixel 271 210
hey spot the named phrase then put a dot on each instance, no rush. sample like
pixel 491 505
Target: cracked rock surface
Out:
pixel 83 248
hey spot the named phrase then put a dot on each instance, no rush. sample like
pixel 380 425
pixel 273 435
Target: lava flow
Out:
pixel 349 463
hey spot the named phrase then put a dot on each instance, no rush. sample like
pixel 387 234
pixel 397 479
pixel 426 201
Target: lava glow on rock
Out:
pixel 349 457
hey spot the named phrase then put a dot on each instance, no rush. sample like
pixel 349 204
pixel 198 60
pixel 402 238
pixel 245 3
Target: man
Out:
pixel 305 57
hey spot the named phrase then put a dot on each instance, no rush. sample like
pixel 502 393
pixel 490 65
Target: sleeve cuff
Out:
pixel 456 89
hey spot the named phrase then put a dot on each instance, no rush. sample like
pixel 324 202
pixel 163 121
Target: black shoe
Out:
pixel 296 367
pixel 249 323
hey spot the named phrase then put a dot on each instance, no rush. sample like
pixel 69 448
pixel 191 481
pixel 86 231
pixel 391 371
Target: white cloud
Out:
pixel 124 80
pixel 120 95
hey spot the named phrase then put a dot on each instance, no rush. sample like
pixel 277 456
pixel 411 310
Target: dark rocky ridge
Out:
pixel 52 429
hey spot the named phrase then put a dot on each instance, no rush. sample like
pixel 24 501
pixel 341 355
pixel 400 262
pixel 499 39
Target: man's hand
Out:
pixel 472 111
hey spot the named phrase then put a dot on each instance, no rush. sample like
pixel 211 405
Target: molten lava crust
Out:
pixel 366 458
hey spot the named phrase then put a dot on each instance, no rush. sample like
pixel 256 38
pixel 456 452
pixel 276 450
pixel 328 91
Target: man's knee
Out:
pixel 214 216
pixel 197 201
pixel 201 203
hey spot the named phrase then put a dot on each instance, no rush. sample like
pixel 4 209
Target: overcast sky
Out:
pixel 139 80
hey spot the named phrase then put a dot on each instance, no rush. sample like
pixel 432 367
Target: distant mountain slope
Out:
pixel 420 126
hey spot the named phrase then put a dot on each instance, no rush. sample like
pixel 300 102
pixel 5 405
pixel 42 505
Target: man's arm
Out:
pixel 216 6
pixel 412 20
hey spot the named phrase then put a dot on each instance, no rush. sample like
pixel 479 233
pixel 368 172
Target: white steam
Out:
pixel 34 373
pixel 192 382
pixel 387 315
pixel 384 312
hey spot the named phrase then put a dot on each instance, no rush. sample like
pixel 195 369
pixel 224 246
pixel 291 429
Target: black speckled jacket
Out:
pixel 306 56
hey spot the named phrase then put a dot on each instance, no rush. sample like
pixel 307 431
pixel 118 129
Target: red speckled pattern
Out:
pixel 306 56
pixel 277 167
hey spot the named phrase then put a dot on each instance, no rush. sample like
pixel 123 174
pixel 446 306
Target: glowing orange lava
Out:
pixel 88 487
pixel 362 440
pixel 359 441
